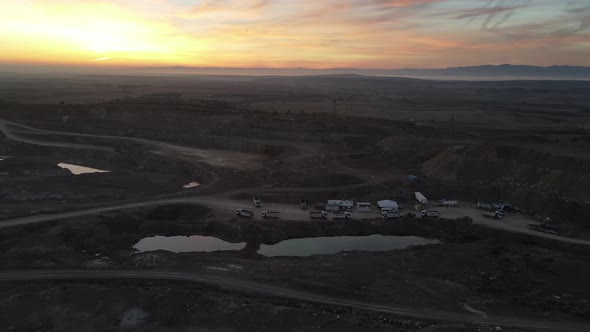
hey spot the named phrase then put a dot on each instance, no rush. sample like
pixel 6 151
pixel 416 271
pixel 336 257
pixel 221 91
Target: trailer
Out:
pixel 257 201
pixel 341 215
pixel 333 205
pixel 494 206
pixel 430 214
pixel 388 205
pixel 388 215
pixel 492 214
pixel 318 215
pixel 346 205
pixel 420 198
pixel 271 214
pixel 244 213
pixel 303 204
pixel 484 206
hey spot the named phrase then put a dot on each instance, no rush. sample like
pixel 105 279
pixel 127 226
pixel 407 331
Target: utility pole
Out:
pixel 452 124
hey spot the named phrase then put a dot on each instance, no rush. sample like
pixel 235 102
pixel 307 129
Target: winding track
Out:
pixel 259 289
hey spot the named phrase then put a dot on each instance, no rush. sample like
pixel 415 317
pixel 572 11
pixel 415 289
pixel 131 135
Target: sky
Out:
pixel 295 33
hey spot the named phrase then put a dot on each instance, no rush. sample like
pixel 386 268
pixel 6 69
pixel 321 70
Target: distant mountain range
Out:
pixel 484 72
pixel 473 72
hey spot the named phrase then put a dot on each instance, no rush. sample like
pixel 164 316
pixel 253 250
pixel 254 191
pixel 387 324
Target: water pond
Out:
pixel 293 247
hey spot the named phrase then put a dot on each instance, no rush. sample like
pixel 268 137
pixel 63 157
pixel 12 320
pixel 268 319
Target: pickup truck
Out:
pixel 430 214
pixel 318 215
pixel 244 213
pixel 545 228
pixel 387 215
pixel 493 214
pixel 257 201
pixel 271 214
pixel 341 215
pixel 303 204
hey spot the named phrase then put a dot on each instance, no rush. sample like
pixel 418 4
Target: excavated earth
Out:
pixel 153 147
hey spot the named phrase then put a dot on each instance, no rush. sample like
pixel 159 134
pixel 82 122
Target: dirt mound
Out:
pixel 409 149
pixel 540 182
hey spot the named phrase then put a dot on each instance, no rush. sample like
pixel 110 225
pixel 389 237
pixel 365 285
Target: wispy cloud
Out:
pixel 318 33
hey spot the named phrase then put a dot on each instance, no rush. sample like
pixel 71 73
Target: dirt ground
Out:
pixel 281 140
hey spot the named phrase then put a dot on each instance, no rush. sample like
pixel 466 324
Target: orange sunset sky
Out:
pixel 295 33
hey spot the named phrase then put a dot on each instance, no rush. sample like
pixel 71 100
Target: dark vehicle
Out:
pixel 318 215
pixel 271 214
pixel 244 213
pixel 545 228
pixel 430 214
pixel 257 201
pixel 341 215
pixel 493 214
pixel 303 204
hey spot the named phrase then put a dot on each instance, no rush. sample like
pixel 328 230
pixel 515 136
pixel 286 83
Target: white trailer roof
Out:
pixel 346 203
pixel 386 203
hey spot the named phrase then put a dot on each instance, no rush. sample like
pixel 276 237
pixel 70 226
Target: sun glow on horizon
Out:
pixel 97 31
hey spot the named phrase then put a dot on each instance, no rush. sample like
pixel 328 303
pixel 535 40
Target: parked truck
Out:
pixel 545 228
pixel 387 215
pixel 318 215
pixel 341 215
pixel 493 214
pixel 430 214
pixel 257 201
pixel 244 213
pixel 303 204
pixel 271 214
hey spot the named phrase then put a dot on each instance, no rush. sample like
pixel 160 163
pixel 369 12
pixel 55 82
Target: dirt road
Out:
pixel 258 289
pixel 512 222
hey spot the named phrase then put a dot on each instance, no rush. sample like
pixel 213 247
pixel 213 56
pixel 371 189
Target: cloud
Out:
pixel 494 14
pixel 317 33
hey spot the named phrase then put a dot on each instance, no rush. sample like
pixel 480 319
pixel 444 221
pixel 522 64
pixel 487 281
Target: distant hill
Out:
pixel 502 71
pixel 483 72
pixel 508 72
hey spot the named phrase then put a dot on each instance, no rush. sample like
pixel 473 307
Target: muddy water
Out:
pixel 77 170
pixel 293 247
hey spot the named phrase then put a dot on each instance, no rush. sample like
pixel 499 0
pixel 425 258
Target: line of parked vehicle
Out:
pixel 340 213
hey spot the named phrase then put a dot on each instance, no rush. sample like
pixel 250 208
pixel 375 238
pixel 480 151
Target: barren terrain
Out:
pixel 67 241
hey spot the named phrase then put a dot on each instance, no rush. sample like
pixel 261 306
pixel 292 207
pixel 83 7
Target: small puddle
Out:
pixel 77 170
pixel 191 185
pixel 193 243
pixel 293 247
